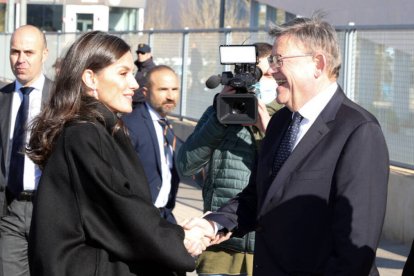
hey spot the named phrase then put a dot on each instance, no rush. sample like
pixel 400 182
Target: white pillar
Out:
pixel 10 16
pixel 23 12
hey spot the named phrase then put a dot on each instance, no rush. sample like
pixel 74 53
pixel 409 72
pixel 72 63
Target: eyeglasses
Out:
pixel 277 61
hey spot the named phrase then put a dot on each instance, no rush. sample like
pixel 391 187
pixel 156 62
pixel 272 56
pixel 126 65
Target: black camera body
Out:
pixel 241 107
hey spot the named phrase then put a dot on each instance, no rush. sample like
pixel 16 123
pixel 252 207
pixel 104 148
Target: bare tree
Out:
pixel 156 16
pixel 197 14
pixel 205 14
pixel 237 13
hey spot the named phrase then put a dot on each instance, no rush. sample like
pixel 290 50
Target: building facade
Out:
pixel 73 15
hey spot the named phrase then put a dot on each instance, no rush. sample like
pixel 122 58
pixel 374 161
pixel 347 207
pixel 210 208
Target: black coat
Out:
pixel 143 68
pixel 140 76
pixel 93 213
pixel 409 264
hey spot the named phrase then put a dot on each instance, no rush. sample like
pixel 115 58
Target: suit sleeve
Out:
pixel 116 217
pixel 238 215
pixel 360 189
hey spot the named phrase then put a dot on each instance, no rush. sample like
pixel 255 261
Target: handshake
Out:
pixel 201 233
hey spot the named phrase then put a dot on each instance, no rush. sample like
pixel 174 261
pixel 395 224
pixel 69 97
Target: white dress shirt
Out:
pixel 311 110
pixel 166 161
pixel 32 172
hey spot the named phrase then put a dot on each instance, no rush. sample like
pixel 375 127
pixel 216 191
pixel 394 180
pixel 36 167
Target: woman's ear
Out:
pixel 88 78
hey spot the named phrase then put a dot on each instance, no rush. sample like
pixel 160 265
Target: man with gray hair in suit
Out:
pixel 318 195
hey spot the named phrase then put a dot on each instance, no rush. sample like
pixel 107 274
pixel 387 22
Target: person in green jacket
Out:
pixel 227 153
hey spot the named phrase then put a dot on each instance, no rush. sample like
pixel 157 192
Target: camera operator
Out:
pixel 266 88
pixel 228 152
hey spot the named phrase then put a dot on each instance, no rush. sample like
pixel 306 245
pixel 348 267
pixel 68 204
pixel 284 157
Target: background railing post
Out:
pixel 349 63
pixel 184 74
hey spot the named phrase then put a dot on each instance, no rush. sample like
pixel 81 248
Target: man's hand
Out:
pixel 221 237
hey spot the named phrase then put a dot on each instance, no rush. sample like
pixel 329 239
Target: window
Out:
pixel 45 17
pixel 123 19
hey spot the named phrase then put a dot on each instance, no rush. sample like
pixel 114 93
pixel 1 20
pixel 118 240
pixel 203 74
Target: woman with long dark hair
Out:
pixel 93 213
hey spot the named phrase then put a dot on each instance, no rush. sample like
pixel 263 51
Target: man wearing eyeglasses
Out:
pixel 317 198
pixel 144 63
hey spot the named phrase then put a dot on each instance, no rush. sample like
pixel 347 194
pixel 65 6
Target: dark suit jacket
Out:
pixel 6 98
pixel 324 211
pixel 409 263
pixel 93 213
pixel 144 139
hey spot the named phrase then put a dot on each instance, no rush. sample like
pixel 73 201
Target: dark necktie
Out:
pixel 16 168
pixel 287 143
pixel 169 138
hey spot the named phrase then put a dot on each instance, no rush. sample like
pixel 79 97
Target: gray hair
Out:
pixel 316 35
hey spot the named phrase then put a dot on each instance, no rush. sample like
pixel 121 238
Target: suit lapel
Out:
pixel 153 135
pixel 317 131
pixel 47 86
pixel 276 129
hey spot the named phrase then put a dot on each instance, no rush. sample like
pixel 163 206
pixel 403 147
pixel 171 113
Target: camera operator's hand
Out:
pixel 263 116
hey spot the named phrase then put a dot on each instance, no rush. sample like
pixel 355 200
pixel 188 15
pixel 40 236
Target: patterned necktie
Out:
pixel 287 143
pixel 16 168
pixel 169 138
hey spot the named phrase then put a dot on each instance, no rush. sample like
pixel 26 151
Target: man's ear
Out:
pixel 144 91
pixel 45 54
pixel 320 64
pixel 88 78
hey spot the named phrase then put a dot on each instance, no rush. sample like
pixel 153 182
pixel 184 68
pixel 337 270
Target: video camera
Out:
pixel 241 107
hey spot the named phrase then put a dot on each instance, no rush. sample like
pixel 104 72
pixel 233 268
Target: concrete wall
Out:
pixel 183 129
pixel 399 218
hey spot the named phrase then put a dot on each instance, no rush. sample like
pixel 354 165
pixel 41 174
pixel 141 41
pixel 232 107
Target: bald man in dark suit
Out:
pixel 28 52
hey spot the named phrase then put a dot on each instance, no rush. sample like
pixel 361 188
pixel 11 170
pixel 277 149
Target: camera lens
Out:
pixel 239 107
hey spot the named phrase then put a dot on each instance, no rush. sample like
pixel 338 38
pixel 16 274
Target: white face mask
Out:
pixel 267 88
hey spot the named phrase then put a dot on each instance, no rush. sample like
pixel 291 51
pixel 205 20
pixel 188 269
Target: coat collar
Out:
pixel 110 119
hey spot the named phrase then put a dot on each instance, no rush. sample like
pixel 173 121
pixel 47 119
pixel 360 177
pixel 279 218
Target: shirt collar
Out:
pixel 314 107
pixel 154 114
pixel 37 84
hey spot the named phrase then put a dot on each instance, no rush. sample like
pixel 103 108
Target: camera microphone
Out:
pixel 213 81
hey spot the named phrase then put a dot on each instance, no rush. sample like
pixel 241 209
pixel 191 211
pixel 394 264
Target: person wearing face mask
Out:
pixel 265 88
pixel 227 153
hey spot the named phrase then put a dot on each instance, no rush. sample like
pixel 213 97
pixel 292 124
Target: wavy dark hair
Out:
pixel 69 101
